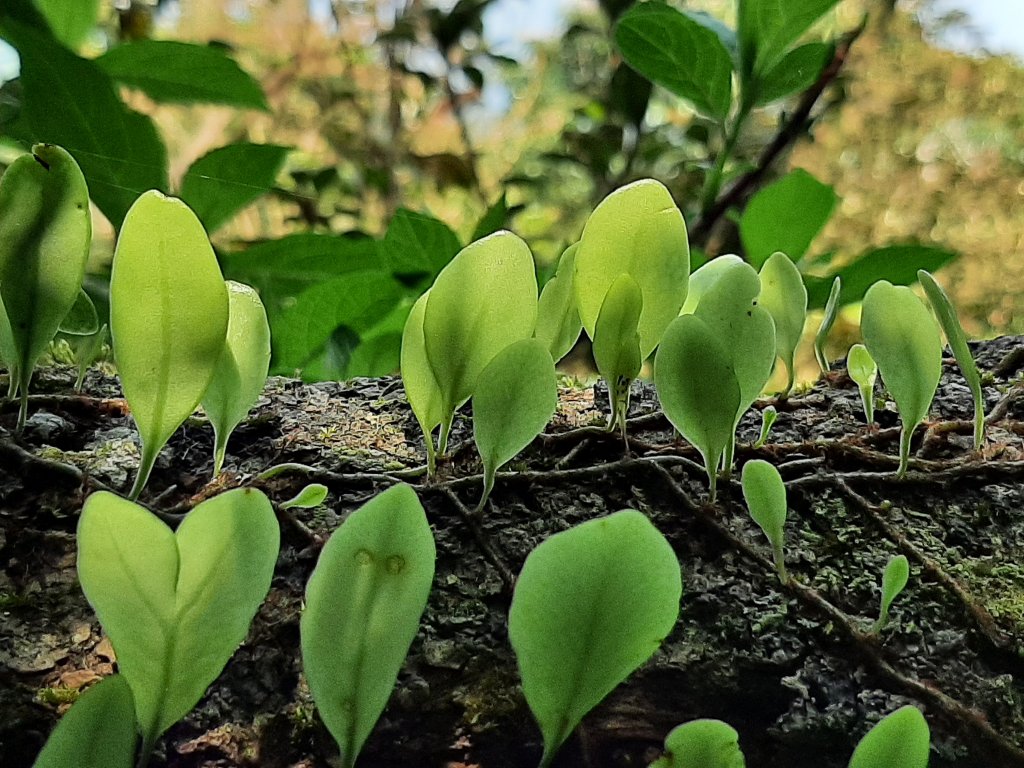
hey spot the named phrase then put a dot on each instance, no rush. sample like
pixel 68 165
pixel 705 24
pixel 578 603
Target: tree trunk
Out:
pixel 793 668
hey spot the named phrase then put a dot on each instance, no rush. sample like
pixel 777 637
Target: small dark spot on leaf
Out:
pixel 40 160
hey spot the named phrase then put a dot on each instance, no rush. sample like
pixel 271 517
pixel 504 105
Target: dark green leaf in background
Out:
pixel 70 20
pixel 169 70
pixel 786 216
pixel 418 244
pixel 679 54
pixel 227 179
pixel 797 71
pixel 768 27
pixel 495 219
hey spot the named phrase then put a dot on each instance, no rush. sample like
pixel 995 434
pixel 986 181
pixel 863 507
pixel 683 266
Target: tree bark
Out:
pixel 793 668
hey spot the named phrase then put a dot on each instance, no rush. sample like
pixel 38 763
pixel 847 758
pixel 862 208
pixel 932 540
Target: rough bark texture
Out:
pixel 792 668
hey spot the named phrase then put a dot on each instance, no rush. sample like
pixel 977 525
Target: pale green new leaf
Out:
pixel 954 332
pixel 482 301
pixel 765 495
pixel 363 607
pixel 704 277
pixel 784 296
pixel 637 230
pixel 894 580
pixel 81 319
pixel 421 388
pixel 87 350
pixel 8 352
pixel 97 732
pixel 590 606
pixel 616 344
pixel 241 371
pixel 768 416
pixel 862 369
pixel 312 495
pixel 702 744
pixel 904 341
pixel 828 319
pixel 558 321
pixel 175 605
pixel 168 318
pixel 697 388
pixel 514 400
pixel 45 233
pixel 900 740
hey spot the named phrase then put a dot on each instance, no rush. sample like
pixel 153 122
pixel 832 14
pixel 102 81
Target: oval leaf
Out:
pixel 637 230
pixel 900 740
pixel 786 216
pixel 168 318
pixel 515 398
pixel 421 387
pixel 862 369
pixel 894 580
pixel 590 606
pixel 704 277
pixel 616 344
pixel 784 296
pixel 312 495
pixel 363 607
pixel 765 495
pixel 702 744
pixel 176 605
pixel 97 732
pixel 241 371
pixel 558 320
pixel 45 233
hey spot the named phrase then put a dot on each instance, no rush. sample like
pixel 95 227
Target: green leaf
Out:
pixel 679 54
pixel 70 20
pixel 768 27
pixel 421 388
pixel 702 744
pixel 704 277
pixel 637 230
pixel 896 263
pixel 363 607
pixel 168 318
pixel 515 398
pixel 954 332
pixel 697 388
pixel 894 580
pixel 97 732
pixel 797 71
pixel 175 605
pixel 590 606
pixel 87 350
pixel 827 320
pixel 558 321
pixel 786 216
pixel 862 369
pixel 485 299
pixel 45 234
pixel 312 495
pixel 172 71
pixel 900 740
pixel 903 339
pixel 784 296
pixel 418 244
pixel 8 351
pixel 81 319
pixel 768 416
pixel 225 180
pixel 355 301
pixel 731 310
pixel 765 495
pixel 616 344
pixel 71 102
pixel 241 370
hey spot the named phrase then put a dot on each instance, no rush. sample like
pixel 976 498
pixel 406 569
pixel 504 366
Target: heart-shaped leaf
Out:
pixel 515 398
pixel 637 230
pixel 421 387
pixel 97 732
pixel 702 744
pixel 900 740
pixel 827 321
pixel 616 344
pixel 894 580
pixel 558 321
pixel 862 369
pixel 954 332
pixel 482 301
pixel 168 318
pixel 590 606
pixel 765 494
pixel 903 339
pixel 45 234
pixel 241 370
pixel 176 605
pixel 704 277
pixel 784 296
pixel 363 607
pixel 697 388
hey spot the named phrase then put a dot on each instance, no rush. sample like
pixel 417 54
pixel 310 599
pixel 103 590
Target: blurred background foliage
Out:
pixel 394 131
